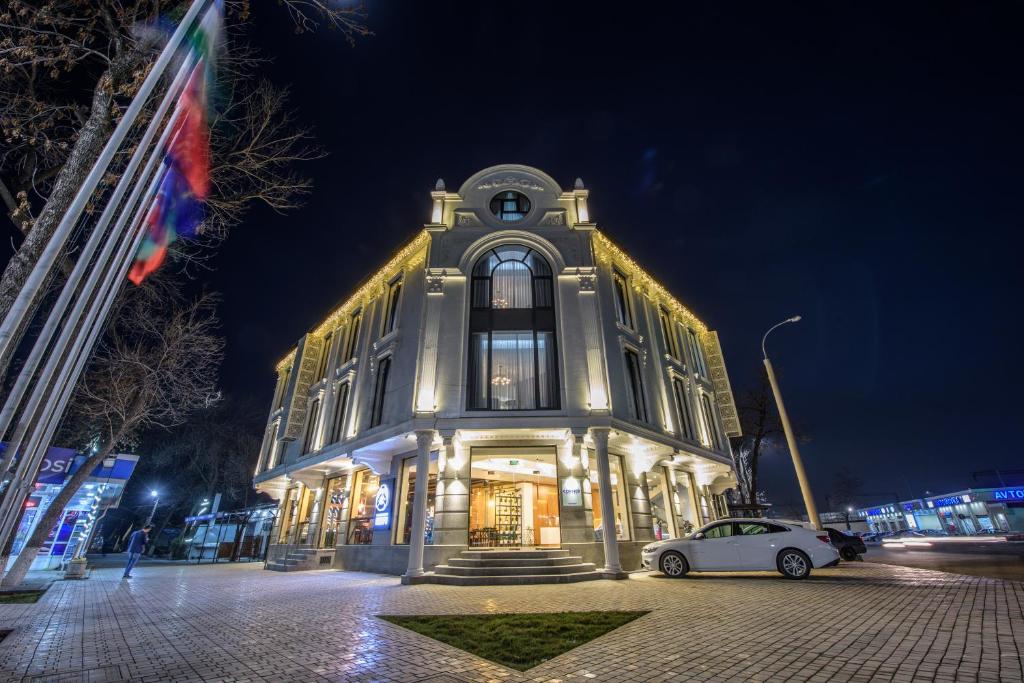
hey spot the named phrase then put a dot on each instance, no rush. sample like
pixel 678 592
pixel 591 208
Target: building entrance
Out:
pixel 513 498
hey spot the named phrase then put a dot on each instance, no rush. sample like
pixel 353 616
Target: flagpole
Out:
pixel 46 424
pixel 29 463
pixel 82 264
pixel 40 272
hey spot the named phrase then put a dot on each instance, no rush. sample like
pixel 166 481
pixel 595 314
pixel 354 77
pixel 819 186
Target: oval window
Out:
pixel 510 206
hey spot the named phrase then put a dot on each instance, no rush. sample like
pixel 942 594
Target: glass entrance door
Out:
pixel 513 498
pixel 335 512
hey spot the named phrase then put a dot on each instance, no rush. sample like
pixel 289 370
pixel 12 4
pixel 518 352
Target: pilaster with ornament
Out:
pixel 427 375
pixel 590 317
pixel 304 372
pixel 723 389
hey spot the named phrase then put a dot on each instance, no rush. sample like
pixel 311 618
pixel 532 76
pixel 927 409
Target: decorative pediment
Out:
pixel 514 182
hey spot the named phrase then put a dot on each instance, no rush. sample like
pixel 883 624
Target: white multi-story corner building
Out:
pixel 509 379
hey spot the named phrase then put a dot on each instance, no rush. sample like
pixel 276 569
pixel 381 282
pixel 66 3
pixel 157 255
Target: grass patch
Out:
pixel 518 641
pixel 20 597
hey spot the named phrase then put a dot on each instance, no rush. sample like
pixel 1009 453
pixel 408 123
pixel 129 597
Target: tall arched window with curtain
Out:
pixel 512 350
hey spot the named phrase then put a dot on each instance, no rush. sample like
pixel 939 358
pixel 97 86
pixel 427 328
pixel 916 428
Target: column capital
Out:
pixel 424 438
pixel 600 436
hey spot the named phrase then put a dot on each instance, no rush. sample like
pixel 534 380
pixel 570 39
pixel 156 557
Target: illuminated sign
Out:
pixel 572 492
pixel 952 500
pixel 1008 494
pixel 56 465
pixel 382 504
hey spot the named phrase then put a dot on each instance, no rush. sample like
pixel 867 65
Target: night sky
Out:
pixel 856 164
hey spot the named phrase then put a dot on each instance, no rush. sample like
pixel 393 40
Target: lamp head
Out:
pixel 794 319
pixel 153 493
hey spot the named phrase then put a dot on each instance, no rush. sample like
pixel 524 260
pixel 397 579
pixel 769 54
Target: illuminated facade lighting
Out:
pixel 508 330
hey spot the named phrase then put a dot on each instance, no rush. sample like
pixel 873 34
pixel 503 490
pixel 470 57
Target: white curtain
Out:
pixel 510 286
pixel 512 380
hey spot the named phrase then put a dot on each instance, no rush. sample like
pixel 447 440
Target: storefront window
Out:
pixel 618 498
pixel 300 520
pixel 685 502
pixel 289 508
pixel 335 511
pixel 360 529
pixel 406 498
pixel 513 498
pixel 662 517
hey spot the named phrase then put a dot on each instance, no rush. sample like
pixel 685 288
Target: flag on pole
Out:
pixel 177 208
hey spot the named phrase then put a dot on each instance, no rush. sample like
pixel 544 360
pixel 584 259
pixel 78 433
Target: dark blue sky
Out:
pixel 857 164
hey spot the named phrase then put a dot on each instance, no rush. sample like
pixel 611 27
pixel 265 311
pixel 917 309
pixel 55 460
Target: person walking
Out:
pixel 136 546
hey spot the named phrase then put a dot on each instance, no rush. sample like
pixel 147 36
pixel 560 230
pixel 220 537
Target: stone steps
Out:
pixel 297 559
pixel 509 568
pixel 514 562
pixel 545 570
pixel 513 554
pixel 518 580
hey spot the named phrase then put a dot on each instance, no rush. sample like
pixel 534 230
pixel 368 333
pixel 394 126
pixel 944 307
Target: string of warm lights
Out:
pixel 334 320
pixel 606 250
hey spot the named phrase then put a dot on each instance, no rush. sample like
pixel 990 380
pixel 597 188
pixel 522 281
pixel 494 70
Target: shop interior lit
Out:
pixel 513 498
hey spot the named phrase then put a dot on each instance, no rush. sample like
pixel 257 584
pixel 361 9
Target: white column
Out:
pixel 604 475
pixel 424 438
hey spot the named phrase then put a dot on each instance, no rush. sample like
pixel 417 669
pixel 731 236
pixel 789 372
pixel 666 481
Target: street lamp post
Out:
pixel 798 465
pixel 155 495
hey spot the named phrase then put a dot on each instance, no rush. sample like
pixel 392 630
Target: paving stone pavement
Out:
pixel 856 622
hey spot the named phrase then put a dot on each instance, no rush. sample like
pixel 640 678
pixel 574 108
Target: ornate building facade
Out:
pixel 509 379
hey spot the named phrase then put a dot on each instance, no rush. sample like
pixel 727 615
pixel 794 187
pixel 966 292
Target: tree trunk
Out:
pixel 151 551
pixel 236 553
pixel 5 554
pixel 53 514
pixel 91 139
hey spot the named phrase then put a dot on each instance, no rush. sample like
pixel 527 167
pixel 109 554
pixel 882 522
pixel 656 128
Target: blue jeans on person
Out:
pixel 132 559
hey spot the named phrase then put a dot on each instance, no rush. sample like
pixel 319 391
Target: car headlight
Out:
pixel 648 549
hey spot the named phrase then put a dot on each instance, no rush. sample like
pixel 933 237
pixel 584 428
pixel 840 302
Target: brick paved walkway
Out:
pixel 857 622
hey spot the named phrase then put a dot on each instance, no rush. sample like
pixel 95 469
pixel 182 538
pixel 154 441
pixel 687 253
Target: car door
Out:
pixel 757 547
pixel 717 550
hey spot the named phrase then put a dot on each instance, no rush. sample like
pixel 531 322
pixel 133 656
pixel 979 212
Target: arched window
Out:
pixel 512 277
pixel 512 354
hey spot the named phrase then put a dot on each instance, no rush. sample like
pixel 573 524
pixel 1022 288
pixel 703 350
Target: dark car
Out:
pixel 849 546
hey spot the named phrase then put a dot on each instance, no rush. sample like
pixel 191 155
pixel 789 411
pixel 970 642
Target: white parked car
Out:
pixel 731 545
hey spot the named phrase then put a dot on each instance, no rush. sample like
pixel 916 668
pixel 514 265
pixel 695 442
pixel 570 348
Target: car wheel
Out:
pixel 794 564
pixel 673 565
pixel 848 553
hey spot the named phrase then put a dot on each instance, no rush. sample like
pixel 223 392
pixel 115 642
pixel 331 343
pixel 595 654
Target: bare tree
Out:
pixel 67 67
pixel 154 367
pixel 212 454
pixel 760 424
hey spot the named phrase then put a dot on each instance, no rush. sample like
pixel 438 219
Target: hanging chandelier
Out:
pixel 501 380
pixel 499 300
